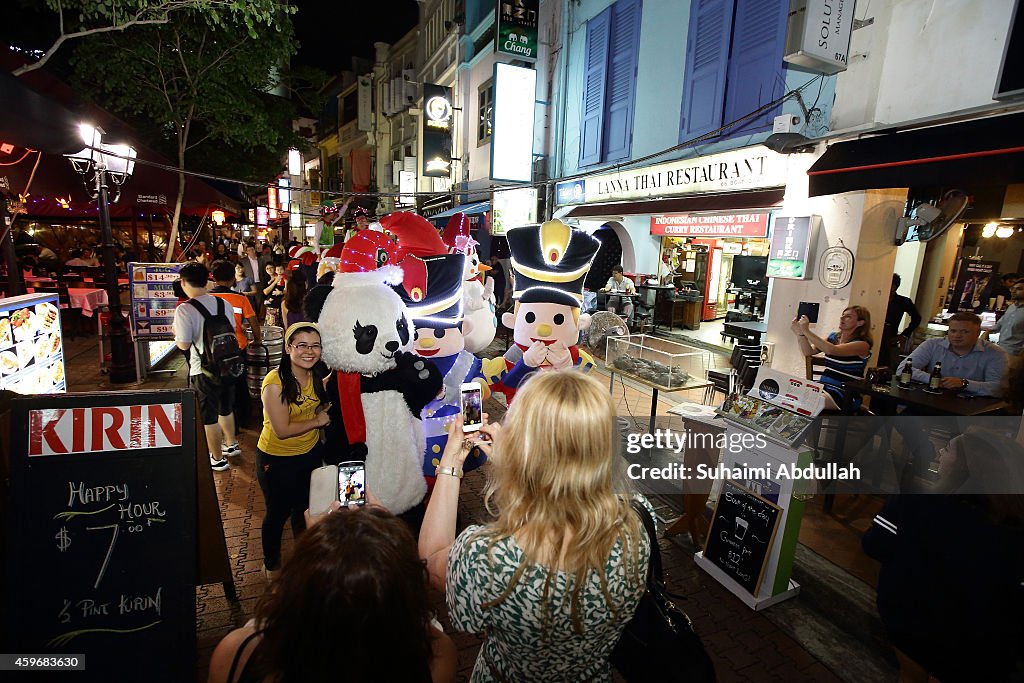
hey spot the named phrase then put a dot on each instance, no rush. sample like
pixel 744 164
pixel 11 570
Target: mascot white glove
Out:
pixel 535 355
pixel 559 356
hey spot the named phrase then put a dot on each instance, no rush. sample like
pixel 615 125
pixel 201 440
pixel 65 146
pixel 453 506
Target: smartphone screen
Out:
pixel 352 483
pixel 472 407
pixel 810 309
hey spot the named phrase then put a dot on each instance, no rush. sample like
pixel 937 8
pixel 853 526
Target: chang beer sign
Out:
pixel 517 28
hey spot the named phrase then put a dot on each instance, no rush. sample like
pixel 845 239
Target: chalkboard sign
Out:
pixel 102 548
pixel 742 532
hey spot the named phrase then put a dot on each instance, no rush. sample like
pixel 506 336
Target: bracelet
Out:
pixel 451 471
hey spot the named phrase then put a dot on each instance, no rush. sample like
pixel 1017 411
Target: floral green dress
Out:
pixel 518 646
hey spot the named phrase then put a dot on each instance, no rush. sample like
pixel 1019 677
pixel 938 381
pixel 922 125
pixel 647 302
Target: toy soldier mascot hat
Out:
pixel 550 263
pixel 432 289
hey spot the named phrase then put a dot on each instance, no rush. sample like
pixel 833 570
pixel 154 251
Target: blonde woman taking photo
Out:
pixel 554 579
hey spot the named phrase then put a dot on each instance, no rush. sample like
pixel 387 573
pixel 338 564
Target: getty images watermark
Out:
pixel 667 440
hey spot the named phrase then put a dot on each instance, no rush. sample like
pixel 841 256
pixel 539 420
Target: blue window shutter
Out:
pixel 625 47
pixel 594 75
pixel 707 59
pixel 756 74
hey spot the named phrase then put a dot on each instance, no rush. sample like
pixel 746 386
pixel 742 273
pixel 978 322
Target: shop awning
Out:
pixel 728 201
pixel 468 209
pixel 986 151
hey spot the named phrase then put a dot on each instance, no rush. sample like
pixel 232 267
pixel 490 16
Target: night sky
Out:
pixel 329 32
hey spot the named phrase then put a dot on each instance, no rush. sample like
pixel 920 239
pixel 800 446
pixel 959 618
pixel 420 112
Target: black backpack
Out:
pixel 221 357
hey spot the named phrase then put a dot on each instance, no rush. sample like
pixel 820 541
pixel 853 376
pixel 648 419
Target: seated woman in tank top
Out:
pixel 846 350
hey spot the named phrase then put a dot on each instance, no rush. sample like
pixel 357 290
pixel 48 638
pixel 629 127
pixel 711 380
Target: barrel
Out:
pixel 262 358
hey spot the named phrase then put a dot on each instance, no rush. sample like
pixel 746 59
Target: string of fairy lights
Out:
pixel 480 194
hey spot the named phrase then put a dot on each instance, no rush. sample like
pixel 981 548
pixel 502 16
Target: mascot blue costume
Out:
pixel 432 291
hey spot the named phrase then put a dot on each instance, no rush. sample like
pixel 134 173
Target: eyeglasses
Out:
pixel 303 346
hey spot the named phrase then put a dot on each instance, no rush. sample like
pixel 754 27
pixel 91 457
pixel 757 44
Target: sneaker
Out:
pixel 231 451
pixel 219 465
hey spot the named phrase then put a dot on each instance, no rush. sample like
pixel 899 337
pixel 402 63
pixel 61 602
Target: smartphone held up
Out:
pixel 472 406
pixel 352 483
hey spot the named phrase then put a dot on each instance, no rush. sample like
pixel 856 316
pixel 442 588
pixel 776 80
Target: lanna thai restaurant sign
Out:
pixel 717 225
pixel 748 168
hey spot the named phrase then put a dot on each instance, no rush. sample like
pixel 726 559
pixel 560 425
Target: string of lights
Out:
pixel 484 193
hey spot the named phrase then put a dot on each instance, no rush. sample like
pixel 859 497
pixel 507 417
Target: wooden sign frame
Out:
pixel 714 528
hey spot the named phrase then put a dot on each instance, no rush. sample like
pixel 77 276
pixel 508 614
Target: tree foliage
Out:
pixel 193 82
pixel 81 18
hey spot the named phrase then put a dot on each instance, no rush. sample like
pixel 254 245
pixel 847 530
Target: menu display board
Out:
pixel 741 536
pixel 31 345
pixel 102 544
pixel 153 299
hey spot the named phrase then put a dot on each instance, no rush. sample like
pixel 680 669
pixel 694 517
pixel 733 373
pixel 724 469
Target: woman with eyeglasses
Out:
pixel 294 409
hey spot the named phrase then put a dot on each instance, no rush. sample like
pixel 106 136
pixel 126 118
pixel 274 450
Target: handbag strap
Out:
pixel 654 573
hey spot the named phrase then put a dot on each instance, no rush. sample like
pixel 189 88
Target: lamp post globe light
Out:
pixel 101 165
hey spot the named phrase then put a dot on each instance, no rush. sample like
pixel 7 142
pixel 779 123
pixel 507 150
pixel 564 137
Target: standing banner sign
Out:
pixel 102 551
pixel 153 299
pixel 516 34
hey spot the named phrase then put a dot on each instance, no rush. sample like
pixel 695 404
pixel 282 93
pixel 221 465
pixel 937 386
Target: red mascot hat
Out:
pixel 367 250
pixel 415 234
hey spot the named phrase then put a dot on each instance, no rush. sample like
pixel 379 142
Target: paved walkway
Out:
pixel 745 646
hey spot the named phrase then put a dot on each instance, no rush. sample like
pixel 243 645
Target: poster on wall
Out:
pixel 792 247
pixel 974 282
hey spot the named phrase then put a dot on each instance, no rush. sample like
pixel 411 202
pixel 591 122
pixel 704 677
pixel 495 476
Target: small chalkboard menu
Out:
pixel 102 545
pixel 741 536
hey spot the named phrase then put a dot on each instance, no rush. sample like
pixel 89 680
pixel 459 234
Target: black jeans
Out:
pixel 284 480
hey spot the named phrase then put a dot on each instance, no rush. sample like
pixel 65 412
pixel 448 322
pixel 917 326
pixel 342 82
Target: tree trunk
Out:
pixel 172 240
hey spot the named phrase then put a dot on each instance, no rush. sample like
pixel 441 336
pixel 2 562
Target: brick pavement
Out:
pixel 744 645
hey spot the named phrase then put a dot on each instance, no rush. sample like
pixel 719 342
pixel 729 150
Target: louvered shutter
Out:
pixel 756 74
pixel 625 46
pixel 595 73
pixel 707 60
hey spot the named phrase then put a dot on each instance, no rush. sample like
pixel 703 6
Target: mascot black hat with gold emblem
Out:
pixel 432 289
pixel 550 263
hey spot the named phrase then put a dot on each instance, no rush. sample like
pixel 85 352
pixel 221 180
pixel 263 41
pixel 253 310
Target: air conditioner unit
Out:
pixel 767 353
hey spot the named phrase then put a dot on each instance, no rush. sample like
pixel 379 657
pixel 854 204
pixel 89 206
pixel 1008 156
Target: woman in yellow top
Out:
pixel 294 408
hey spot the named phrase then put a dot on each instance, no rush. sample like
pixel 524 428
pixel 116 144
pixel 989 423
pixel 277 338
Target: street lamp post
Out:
pixel 109 163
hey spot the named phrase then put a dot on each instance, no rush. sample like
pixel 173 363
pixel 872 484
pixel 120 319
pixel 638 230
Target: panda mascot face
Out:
pixel 363 322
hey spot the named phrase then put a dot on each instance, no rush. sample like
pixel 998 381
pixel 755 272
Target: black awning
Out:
pixel 986 151
pixel 729 201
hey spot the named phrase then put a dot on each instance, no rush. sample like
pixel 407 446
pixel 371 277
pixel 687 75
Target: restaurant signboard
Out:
pixel 717 225
pixel 792 247
pixel 516 34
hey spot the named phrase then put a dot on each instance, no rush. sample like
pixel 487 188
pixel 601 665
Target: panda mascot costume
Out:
pixel 550 263
pixel 379 387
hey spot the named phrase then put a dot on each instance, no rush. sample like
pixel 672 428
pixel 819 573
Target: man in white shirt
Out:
pixel 1011 326
pixel 619 284
pixel 216 397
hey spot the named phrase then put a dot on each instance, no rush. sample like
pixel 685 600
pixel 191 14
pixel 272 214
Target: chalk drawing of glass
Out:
pixel 741 528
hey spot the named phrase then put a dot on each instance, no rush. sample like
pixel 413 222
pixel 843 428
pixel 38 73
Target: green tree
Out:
pixel 194 81
pixel 82 18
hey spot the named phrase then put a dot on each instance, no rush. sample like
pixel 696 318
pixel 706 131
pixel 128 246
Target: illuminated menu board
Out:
pixel 153 299
pixel 31 345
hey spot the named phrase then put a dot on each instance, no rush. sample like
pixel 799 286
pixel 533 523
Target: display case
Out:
pixel 655 361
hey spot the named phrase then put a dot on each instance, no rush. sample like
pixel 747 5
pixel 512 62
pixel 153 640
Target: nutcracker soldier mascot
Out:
pixel 432 291
pixel 549 264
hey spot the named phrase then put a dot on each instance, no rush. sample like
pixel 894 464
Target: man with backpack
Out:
pixel 205 325
pixel 224 278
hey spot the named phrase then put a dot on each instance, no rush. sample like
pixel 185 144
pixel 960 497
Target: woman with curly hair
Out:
pixel 350 602
pixel 554 579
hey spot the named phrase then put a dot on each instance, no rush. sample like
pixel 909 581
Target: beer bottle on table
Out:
pixel 935 381
pixel 906 375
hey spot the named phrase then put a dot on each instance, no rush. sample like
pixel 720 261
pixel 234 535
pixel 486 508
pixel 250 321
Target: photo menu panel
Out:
pixel 31 345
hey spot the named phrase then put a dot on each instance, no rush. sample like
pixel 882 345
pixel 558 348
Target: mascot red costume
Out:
pixel 550 262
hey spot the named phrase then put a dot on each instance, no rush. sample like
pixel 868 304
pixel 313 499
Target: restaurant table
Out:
pixel 86 299
pixel 949 402
pixel 690 383
pixel 699 421
pixel 744 332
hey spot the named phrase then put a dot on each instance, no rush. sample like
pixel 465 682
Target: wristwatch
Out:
pixel 451 471
pixel 964 383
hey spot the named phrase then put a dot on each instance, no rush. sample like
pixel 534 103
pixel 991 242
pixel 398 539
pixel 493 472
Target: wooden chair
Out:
pixel 813 367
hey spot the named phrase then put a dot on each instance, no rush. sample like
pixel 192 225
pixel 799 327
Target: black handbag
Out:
pixel 659 643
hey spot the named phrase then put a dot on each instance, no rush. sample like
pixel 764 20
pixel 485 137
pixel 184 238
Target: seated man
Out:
pixel 970 364
pixel 619 284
